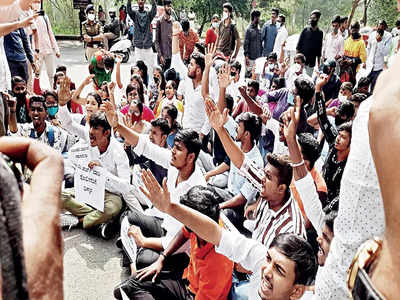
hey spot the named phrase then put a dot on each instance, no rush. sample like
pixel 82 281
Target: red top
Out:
pixel 209 273
pixel 147 114
pixel 211 36
pixel 187 43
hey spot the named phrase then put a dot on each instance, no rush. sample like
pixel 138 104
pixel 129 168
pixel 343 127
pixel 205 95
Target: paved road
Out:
pixel 91 265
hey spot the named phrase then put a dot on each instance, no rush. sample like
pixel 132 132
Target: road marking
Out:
pixel 71 237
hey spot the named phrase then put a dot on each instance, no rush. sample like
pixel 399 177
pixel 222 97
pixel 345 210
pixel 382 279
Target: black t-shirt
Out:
pixel 310 44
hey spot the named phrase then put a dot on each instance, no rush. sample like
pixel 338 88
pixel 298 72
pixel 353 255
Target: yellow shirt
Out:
pixel 354 49
pixel 178 104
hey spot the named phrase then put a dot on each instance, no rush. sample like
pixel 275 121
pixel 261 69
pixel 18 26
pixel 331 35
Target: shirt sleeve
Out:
pixel 160 156
pixel 246 42
pixel 312 205
pixel 327 128
pixel 363 53
pixel 27 46
pixel 249 253
pixel 68 124
pixel 119 184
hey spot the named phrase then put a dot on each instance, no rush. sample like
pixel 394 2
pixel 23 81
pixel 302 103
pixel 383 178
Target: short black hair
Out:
pixel 252 123
pixel 309 148
pixel 282 164
pixel 37 99
pixel 316 12
pixel 15 80
pixel 355 25
pixel 143 68
pixel 237 65
pixel 191 140
pixel 383 22
pixel 283 18
pixel 305 89
pixel 336 19
pixel 162 124
pixel 300 56
pixel 99 119
pixel 185 25
pixel 346 127
pixel 199 59
pixel 397 23
pixel 254 84
pixel 204 200
pixel 167 2
pixel 346 109
pixel 275 10
pixel 229 102
pixel 96 97
pixel 228 6
pixel 347 86
pixel 280 82
pixel 329 220
pixel 61 68
pixel 255 14
pixel 172 111
pixel 359 97
pixel 201 47
pixel 273 56
pixel 139 105
pixel 301 253
pixel 139 80
pixel 109 61
pixel 344 19
pixel 50 93
pixel 364 82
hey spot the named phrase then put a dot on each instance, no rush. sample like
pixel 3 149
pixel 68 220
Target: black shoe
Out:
pixel 118 243
pixel 107 231
pixel 128 286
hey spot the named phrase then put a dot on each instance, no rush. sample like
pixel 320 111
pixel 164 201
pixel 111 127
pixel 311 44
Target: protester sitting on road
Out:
pixel 208 275
pixel 169 99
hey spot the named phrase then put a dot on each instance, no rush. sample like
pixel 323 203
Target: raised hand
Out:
pixel 224 76
pixel 28 21
pixel 88 79
pixel 158 195
pixel 291 120
pixel 216 119
pixel 243 91
pixel 209 58
pixel 64 93
pixel 111 114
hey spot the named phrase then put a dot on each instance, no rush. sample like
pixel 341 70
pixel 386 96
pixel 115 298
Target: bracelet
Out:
pixel 298 164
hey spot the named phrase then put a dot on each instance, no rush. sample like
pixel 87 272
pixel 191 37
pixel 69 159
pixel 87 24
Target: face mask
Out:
pixel 271 67
pixel 342 98
pixel 313 23
pixel 335 30
pixel 296 68
pixel 52 111
pixel 278 25
pixel 233 74
pixel 225 15
pixel 91 17
pixel 290 99
pixel 156 80
pixel 36 6
pixel 215 25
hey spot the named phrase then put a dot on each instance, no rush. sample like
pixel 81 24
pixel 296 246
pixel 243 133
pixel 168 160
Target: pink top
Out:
pixel 47 41
pixel 147 113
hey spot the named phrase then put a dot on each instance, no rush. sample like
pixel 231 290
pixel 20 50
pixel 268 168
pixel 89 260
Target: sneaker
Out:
pixel 107 231
pixel 118 243
pixel 68 221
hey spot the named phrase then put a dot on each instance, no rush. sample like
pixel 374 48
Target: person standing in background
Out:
pixel 187 40
pixel 282 35
pixel 269 33
pixel 228 41
pixel 310 42
pixel 46 49
pixel 252 42
pixel 212 32
pixel 82 18
pixel 143 38
pixel 163 42
pixel 101 15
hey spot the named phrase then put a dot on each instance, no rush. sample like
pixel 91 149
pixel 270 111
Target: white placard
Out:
pixel 89 183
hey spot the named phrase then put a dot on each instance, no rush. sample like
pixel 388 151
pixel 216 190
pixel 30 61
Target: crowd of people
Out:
pixel 223 179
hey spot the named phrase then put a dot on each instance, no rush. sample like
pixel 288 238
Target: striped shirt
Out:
pixel 270 223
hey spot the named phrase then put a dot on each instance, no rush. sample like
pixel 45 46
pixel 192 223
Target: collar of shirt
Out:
pixel 274 214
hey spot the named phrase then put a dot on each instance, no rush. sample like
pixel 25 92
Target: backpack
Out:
pixel 50 135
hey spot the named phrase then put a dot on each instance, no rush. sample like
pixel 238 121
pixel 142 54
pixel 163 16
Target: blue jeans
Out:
pixel 239 289
pixel 373 76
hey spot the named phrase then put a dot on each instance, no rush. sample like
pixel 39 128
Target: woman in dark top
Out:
pixel 339 148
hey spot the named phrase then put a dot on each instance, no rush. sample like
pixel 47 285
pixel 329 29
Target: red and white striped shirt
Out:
pixel 270 223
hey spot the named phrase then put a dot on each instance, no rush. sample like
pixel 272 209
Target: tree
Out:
pixel 383 10
pixel 367 3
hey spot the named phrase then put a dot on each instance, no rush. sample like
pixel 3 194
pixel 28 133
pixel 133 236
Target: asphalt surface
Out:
pixel 91 265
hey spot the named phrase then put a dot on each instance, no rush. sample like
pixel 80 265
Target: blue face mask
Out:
pixel 290 99
pixel 52 111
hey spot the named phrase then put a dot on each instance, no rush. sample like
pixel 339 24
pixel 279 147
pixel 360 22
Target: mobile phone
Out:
pixel 41 12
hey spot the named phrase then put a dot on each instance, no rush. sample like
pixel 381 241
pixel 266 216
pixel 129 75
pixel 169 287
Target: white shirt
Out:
pixel 281 37
pixel 334 46
pixel 378 51
pixel 71 123
pixel 291 76
pixel 233 90
pixel 162 157
pixel 360 216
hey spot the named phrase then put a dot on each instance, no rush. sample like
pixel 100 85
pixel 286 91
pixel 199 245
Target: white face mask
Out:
pixel 296 68
pixel 278 25
pixel 91 17
pixel 225 15
pixel 215 25
pixel 36 6
pixel 342 98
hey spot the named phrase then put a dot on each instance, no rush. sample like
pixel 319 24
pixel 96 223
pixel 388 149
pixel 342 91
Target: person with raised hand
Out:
pixel 281 270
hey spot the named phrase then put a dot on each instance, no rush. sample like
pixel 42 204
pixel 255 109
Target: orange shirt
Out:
pixel 209 273
pixel 187 43
pixel 321 187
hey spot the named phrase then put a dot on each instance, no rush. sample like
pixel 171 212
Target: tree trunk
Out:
pixel 353 10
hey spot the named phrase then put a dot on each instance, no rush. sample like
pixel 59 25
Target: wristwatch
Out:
pixel 358 281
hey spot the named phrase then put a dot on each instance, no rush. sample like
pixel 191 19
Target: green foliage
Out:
pixel 383 10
